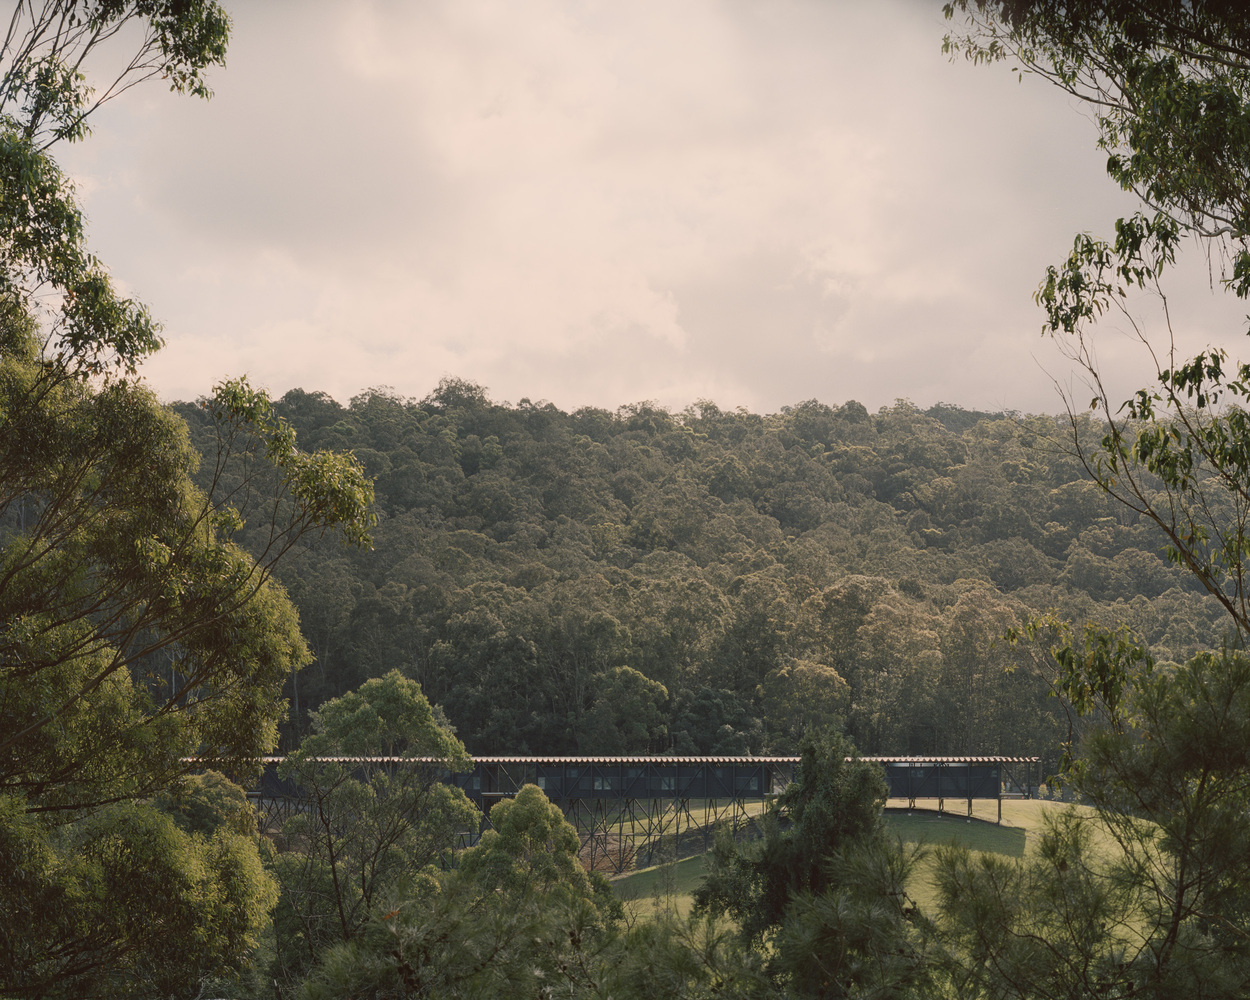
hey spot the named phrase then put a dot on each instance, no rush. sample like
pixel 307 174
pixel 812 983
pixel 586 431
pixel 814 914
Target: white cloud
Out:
pixel 598 203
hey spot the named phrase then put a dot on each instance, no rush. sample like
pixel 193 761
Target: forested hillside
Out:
pixel 712 581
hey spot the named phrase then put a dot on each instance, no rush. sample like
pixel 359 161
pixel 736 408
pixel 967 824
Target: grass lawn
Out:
pixel 1018 833
pixel 1021 824
pixel 924 827
pixel 653 890
pixel 662 887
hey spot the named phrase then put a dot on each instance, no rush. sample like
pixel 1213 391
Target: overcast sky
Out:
pixel 604 202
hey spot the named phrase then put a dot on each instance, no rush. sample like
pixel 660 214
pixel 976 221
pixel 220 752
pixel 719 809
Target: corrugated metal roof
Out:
pixel 952 760
pixel 635 761
pixel 580 761
pixel 662 760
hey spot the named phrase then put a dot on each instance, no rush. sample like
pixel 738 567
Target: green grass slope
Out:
pixel 671 887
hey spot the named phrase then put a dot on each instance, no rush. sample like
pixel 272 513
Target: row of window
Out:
pixel 614 783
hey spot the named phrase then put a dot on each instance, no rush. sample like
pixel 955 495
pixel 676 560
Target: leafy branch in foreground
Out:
pixel 1169 86
pixel 134 633
pixel 47 47
pixel 1145 894
pixel 46 96
pixel 116 573
pixel 1090 674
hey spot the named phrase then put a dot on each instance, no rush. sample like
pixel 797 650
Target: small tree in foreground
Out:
pixel 135 633
pixel 367 827
pixel 834 801
pixel 519 916
pixel 1147 894
pixel 824 893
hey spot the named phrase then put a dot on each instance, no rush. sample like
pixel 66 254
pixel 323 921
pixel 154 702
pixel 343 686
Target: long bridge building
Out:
pixel 632 812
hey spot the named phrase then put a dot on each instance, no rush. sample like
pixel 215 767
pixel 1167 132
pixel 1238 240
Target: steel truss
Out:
pixel 634 812
pixel 620 835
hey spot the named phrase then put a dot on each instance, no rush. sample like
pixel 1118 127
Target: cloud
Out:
pixel 599 203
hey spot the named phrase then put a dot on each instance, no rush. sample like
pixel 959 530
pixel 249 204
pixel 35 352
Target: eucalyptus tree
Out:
pixel 1168 85
pixel 1162 758
pixel 134 632
pixel 1144 893
pixel 376 813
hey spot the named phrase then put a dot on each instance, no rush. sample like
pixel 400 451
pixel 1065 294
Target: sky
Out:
pixel 600 203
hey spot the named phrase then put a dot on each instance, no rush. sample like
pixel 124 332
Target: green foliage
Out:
pixel 530 848
pixel 457 942
pixel 862 935
pixel 1161 757
pixel 628 716
pixel 803 695
pixel 135 635
pixel 43 86
pixel 1092 677
pixel 388 716
pixel 319 490
pixel 42 244
pixel 45 97
pixel 883 547
pixel 697 959
pixel 717 721
pixel 1182 763
pixel 205 803
pixel 519 915
pixel 824 893
pixel 833 803
pixel 1165 80
pixel 368 827
pixel 1044 926
pixel 123 902
pixel 1168 87
pixel 1163 913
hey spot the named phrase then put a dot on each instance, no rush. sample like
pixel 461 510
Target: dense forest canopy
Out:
pixel 714 581
pixel 607 582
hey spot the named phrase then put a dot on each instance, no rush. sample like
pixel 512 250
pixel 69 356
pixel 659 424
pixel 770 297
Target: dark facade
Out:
pixel 633 811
